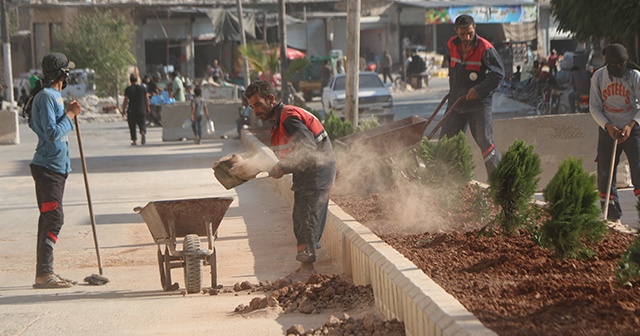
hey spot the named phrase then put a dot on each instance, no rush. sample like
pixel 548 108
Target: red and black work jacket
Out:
pixel 303 147
pixel 480 69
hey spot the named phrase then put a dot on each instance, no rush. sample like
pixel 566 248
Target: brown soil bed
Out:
pixel 510 283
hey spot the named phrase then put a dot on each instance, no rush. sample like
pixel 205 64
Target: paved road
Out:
pixel 255 242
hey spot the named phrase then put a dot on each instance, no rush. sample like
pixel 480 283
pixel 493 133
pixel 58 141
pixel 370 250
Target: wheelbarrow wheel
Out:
pixel 163 277
pixel 193 264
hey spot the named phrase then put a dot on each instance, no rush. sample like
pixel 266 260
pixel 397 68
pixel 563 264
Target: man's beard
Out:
pixel 64 84
pixel 617 72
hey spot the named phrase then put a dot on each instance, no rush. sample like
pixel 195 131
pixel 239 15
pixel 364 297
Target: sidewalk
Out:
pixel 255 241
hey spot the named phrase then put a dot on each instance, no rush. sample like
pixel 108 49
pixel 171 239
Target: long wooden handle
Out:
pixel 86 187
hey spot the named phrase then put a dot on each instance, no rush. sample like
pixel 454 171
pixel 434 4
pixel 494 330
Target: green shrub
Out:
pixel 336 128
pixel 512 185
pixel 367 124
pixel 629 264
pixel 447 161
pixel 574 221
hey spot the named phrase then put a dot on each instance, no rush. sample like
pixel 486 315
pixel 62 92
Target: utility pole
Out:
pixel 243 41
pixel 282 23
pixel 353 61
pixel 6 52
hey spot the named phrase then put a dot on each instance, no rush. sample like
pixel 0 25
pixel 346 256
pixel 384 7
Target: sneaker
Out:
pixel 196 140
pixel 614 223
pixel 306 256
pixel 133 143
pixel 143 138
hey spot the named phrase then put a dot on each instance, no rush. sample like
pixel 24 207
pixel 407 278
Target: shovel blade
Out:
pixel 221 172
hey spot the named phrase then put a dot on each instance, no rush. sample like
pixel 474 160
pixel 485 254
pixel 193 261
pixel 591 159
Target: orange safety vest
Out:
pixel 280 138
pixel 473 60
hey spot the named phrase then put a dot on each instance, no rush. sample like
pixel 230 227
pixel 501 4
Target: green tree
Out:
pixel 513 183
pixel 100 41
pixel 574 221
pixel 591 20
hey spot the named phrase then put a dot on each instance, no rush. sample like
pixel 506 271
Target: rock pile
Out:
pixel 318 293
pixel 369 325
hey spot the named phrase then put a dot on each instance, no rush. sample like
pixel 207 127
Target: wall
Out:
pixel 554 137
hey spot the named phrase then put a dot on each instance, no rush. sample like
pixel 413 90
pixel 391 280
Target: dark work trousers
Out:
pixel 386 72
pixel 196 126
pixel 480 123
pixel 136 119
pixel 49 191
pixel 631 148
pixel 309 217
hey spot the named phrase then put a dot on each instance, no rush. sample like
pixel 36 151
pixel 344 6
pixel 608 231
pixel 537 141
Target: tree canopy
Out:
pixel 100 41
pixel 591 20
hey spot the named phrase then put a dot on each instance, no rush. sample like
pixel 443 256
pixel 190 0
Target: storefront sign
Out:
pixel 483 14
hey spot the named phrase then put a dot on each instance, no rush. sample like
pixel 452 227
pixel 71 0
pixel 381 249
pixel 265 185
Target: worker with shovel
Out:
pixel 304 149
pixel 51 163
pixel 615 89
pixel 475 70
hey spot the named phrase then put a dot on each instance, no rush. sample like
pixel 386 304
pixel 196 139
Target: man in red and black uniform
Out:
pixel 475 70
pixel 304 149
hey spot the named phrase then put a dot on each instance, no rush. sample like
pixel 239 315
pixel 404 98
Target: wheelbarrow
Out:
pixel 401 134
pixel 189 219
pixel 389 140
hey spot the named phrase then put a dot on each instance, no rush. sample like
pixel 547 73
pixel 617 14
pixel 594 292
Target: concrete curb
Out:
pixel 401 290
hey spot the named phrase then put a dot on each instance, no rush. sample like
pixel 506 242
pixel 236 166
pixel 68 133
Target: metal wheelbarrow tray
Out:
pixel 189 219
pixel 401 134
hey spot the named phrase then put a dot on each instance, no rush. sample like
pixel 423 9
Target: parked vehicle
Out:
pixel 81 82
pixel 373 95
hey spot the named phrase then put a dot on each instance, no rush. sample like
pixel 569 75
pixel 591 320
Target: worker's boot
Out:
pixel 306 255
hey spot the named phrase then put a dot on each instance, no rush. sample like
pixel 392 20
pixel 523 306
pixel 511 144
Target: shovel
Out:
pixel 229 180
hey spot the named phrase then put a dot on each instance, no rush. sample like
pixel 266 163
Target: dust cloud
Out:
pixel 388 179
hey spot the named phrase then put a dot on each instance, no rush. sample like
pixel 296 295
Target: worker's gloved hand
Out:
pixel 276 171
pixel 471 95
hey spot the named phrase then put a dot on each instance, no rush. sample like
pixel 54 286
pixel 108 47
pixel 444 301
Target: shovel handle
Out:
pixel 446 115
pixel 433 116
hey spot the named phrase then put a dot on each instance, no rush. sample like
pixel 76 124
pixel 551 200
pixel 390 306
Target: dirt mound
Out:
pixel 367 325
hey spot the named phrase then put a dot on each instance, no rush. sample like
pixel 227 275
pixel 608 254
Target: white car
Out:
pixel 373 95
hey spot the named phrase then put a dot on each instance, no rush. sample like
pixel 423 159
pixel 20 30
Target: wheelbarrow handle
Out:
pixel 446 115
pixel 435 113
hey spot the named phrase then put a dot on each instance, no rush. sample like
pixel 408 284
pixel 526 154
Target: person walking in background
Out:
pixel 615 89
pixel 177 87
pixel 326 73
pixel 244 116
pixel 135 107
pixel 198 111
pixel 552 62
pixel 304 150
pixel 475 70
pixel 51 163
pixel 387 63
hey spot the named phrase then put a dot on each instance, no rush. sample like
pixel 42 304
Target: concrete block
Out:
pixel 9 130
pixel 550 136
pixel 211 92
pixel 222 113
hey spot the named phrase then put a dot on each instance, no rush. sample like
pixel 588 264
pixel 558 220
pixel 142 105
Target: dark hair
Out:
pixel 261 87
pixel 197 91
pixel 464 21
pixel 133 78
